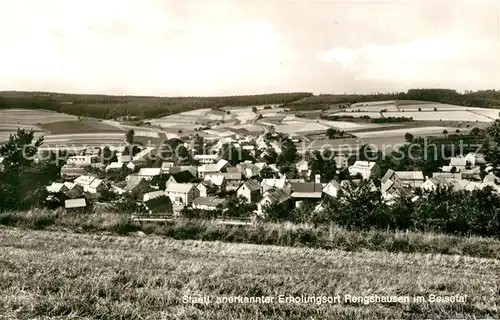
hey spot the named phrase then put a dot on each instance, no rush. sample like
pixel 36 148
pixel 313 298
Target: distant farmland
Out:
pixel 58 274
pixel 77 127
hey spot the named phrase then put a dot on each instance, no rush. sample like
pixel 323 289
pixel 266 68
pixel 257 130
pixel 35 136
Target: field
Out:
pixel 67 275
pixel 77 127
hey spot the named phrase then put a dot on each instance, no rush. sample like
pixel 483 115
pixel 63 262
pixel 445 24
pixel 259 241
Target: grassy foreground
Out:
pixel 282 234
pixel 67 275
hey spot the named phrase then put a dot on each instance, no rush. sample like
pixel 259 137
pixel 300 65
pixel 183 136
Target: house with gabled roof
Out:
pixel 279 196
pixel 332 189
pixel 367 169
pixel 207 188
pixel 151 195
pixel 57 188
pixel 267 184
pixel 217 179
pixel 215 168
pixel 209 203
pixel 149 174
pixel 206 158
pixel 91 184
pixel 159 205
pixel 250 190
pixel 393 181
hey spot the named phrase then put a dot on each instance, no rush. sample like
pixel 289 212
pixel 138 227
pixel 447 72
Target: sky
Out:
pixel 209 48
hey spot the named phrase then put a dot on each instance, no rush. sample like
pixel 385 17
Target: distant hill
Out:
pixel 478 99
pixel 109 107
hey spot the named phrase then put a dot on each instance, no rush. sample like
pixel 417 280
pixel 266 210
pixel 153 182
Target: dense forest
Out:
pixel 109 107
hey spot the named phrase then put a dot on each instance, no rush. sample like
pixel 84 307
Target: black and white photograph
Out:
pixel 249 159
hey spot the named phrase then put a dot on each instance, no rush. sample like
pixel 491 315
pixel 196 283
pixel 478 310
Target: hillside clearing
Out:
pixel 63 274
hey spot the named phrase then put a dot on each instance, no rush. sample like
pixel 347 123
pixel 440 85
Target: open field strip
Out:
pixel 401 132
pixel 373 108
pixel 371 114
pixel 27 116
pixel 97 276
pixel 372 103
pixel 424 115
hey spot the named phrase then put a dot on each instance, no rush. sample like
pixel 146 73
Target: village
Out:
pixel 166 189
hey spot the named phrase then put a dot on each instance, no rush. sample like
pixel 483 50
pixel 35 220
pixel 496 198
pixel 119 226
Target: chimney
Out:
pixel 317 178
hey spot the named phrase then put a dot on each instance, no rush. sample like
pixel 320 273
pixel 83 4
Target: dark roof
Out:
pixel 279 196
pixel 134 182
pixel 183 176
pixel 160 204
pixel 307 187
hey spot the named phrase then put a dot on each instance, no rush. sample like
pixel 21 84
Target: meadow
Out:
pixel 97 276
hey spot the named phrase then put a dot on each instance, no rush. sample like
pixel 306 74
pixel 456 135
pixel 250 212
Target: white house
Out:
pixel 250 190
pixel 207 188
pixel 82 160
pixel 212 168
pixel 394 181
pixel 217 179
pixel 280 197
pixel 149 173
pixel 182 193
pixel 206 158
pixel 57 188
pixel 267 184
pixel 367 169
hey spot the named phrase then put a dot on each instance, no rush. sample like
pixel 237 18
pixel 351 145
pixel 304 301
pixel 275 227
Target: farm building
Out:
pixel 250 190
pixel 149 173
pixel 393 181
pixel 211 204
pixel 268 184
pixel 279 197
pixel 207 188
pixel 367 169
pixel 57 188
pixel 217 179
pixel 91 184
pixel 206 158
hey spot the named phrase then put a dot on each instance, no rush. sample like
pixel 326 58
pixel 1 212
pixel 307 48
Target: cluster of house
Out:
pixel 205 186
